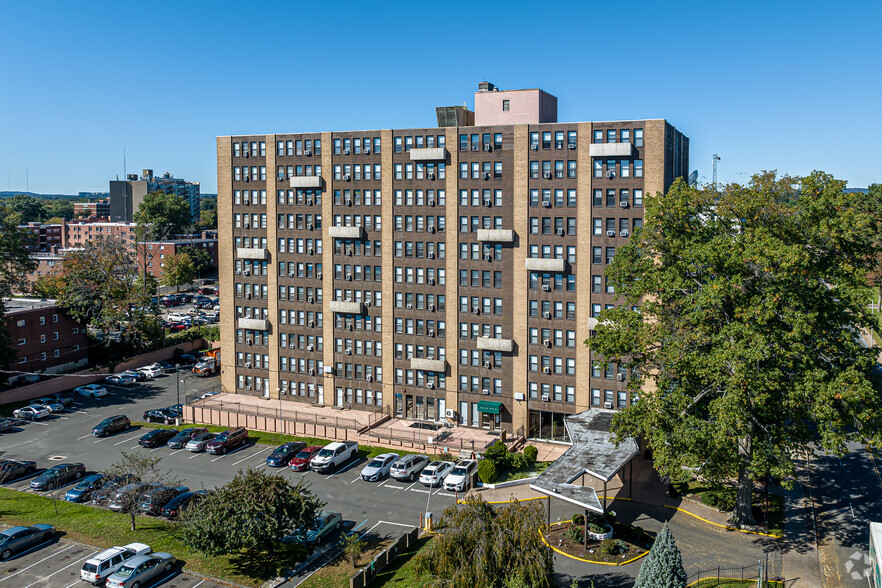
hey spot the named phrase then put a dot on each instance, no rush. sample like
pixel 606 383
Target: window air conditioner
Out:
pixel 349 252
pixel 546 342
pixel 247 294
pixel 347 178
pixel 610 233
pixel 485 391
pixel 571 145
pixel 624 204
pixel 409 306
pixel 311 324
pixel 292 345
pixel 367 150
pixel 430 385
pixel 348 202
pixel 546 203
pixel 310 251
pixel 309 202
pixel 488 257
pixel 248 364
pixel 431 202
pixel 431 332
pixel 311 372
pixel 534 174
pixel 546 370
pixel 486 176
pixel 309 226
pixel 370 378
pixel 432 229
pixel 247 225
pixel 623 233
pixel 548 175
pixel 561 232
pixel 607 405
pixel 308 153
pixel 488 203
pixel 620 377
pixel 246 201
pixel 610 174
pixel 310 348
pixel 248 342
pixel 246 272
pixel 246 154
pixel 248 387
pixel 238 272
pixel 367 303
pixel 292 274
pixel 348 327
pixel 310 299
pixel 546 287
pixel 548 315
pixel 318 275
pixel 348 277
pixel 534 147
pixel 348 352
pixel 546 398
pixel 431 176
pixel 558 144
pixel 488 147
pixel 432 309
pixel 346 152
pixel 449 413
pixel 431 255
pixel 609 260
pixel 476 310
pixel 488 365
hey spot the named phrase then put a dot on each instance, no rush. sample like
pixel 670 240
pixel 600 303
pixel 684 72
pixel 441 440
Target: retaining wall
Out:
pixel 383 559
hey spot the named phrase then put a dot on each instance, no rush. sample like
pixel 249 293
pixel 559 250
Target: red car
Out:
pixel 300 462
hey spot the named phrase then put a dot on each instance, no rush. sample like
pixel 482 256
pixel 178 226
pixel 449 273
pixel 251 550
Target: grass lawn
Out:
pixel 103 528
pixel 521 473
pixel 401 574
pixel 365 451
pixel 695 489
pixel 337 572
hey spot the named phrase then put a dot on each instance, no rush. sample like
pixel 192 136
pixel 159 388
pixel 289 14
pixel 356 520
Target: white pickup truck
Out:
pixel 334 455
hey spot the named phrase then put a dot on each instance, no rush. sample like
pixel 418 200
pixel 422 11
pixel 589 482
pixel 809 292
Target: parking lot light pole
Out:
pixel 178 381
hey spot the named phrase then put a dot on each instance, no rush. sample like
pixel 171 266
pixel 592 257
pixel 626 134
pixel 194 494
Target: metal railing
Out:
pixel 725 574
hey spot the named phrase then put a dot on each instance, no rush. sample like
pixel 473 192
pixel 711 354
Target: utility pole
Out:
pixel 716 159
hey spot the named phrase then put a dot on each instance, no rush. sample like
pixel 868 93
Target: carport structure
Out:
pixel 593 455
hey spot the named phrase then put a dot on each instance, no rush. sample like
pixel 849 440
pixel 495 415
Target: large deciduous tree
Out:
pixel 137 468
pixel 259 508
pixel 746 350
pixel 160 216
pixel 15 264
pixel 481 545
pixel 101 286
pixel 178 270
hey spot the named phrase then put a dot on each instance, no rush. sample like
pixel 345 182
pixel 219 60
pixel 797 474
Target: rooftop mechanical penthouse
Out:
pixel 449 272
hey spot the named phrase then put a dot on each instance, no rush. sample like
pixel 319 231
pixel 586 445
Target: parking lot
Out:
pixel 57 563
pixel 385 508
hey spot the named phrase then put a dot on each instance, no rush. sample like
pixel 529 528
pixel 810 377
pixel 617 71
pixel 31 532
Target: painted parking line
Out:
pixel 176 451
pixel 231 453
pixel 37 423
pixel 252 455
pixel 127 439
pixel 195 455
pixel 83 437
pixel 77 562
pixel 4 578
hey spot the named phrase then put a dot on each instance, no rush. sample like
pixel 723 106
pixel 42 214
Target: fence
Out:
pixel 383 559
pixel 293 415
pixel 420 439
pixel 758 572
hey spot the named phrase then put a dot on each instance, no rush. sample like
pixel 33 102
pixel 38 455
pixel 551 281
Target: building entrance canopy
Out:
pixel 593 453
pixel 489 406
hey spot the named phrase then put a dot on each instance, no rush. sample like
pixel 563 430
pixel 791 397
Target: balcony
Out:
pixel 493 344
pixel 534 264
pixel 253 324
pixel 346 307
pixel 610 150
pixel 346 232
pixel 428 154
pixel 252 253
pixel 428 365
pixel 306 182
pixel 496 235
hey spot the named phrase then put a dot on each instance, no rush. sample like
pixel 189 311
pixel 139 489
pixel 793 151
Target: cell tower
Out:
pixel 716 159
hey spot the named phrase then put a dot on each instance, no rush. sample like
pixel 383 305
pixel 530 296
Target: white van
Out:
pixel 98 568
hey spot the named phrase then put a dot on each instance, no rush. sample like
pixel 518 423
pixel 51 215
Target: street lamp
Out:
pixel 178 381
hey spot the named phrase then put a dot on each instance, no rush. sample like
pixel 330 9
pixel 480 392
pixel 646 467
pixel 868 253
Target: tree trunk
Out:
pixel 133 521
pixel 743 514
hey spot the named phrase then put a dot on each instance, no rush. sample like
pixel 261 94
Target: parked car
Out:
pixel 229 439
pixel 186 359
pixel 64 398
pixel 31 413
pixel 126 494
pixel 208 282
pixel 83 491
pixel 139 570
pixel 6 423
pixel 434 473
pixel 176 317
pixel 91 391
pixel 58 476
pixel 111 425
pixel 199 441
pixel 460 477
pixel 408 467
pixel 378 467
pixel 300 462
pixel 160 415
pixel 156 437
pixel 15 539
pixel 181 502
pixel 112 485
pixel 166 367
pixel 333 455
pixel 11 469
pixel 99 567
pixel 324 524
pixel 139 376
pixel 179 440
pixel 155 498
pixel 120 380
pixel 48 404
pixel 283 454
pixel 150 371
pixel 177 409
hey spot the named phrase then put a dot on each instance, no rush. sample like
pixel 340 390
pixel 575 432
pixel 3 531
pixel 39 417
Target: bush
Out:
pixel 621 546
pixel 595 528
pixel 497 453
pixel 578 519
pixel 608 547
pixel 576 534
pixel 487 471
pixel 517 461
pixel 720 498
pixel 531 453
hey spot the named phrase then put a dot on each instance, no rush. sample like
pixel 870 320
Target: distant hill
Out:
pixel 862 190
pixel 7 194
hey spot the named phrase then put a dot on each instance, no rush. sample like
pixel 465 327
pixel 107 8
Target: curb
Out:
pixel 727 527
pixel 599 563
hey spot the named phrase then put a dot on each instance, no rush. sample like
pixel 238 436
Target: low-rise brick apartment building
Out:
pixel 435 273
pixel 45 338
pixel 154 253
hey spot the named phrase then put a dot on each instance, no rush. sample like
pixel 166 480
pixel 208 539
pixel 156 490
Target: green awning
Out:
pixel 489 406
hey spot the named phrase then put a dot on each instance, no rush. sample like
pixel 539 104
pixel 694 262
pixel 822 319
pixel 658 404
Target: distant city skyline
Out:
pixel 785 85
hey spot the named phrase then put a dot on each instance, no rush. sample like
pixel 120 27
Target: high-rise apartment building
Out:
pixel 450 272
pixel 126 195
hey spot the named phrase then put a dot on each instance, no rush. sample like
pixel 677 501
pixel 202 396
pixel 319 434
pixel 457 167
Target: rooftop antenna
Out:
pixel 716 159
pixel 124 161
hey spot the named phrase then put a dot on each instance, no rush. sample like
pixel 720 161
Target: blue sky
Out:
pixel 793 86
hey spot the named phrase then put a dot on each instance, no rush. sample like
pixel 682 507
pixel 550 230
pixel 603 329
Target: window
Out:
pixel 638 137
pixel 505 105
pixel 638 168
pixel 598 136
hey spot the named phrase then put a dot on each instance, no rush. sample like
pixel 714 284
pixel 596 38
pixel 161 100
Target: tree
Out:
pixel 101 286
pixel 15 264
pixel 745 346
pixel 137 468
pixel 663 567
pixel 353 547
pixel 29 209
pixel 263 508
pixel 480 545
pixel 178 270
pixel 48 286
pixel 201 259
pixel 60 208
pixel 160 216
pixel 208 213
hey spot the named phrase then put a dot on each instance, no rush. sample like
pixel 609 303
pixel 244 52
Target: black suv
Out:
pixel 156 437
pixel 111 425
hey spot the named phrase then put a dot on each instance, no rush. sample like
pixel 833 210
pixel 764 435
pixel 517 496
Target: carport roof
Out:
pixel 593 453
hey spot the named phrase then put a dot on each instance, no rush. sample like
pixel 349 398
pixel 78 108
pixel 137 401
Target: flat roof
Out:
pixel 14 305
pixel 593 452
